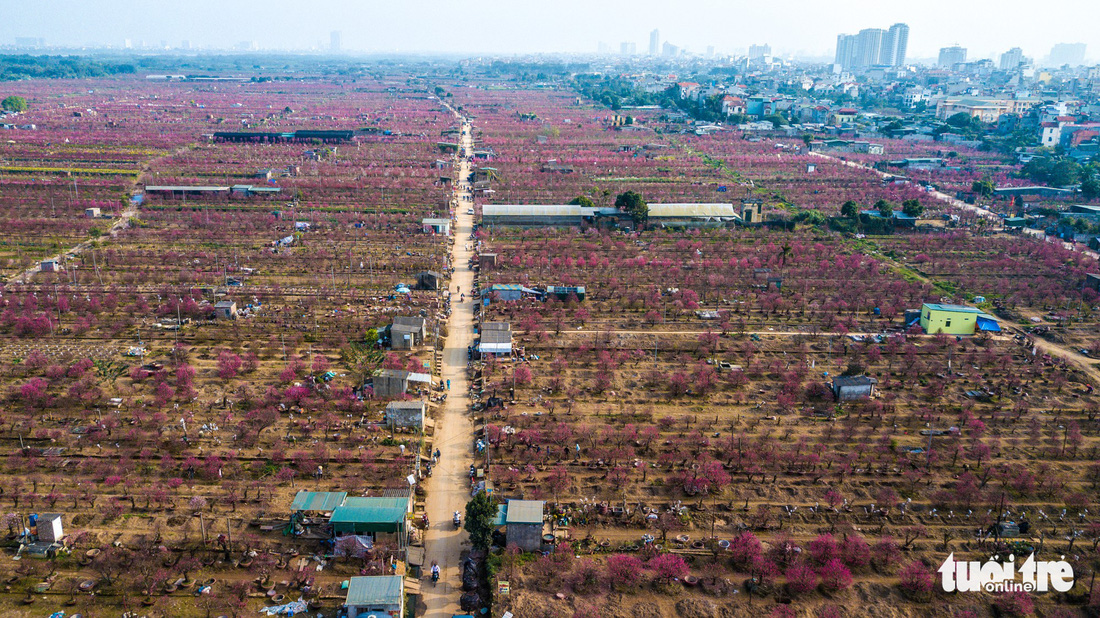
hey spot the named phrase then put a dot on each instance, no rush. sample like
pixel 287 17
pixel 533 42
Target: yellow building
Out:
pixel 955 320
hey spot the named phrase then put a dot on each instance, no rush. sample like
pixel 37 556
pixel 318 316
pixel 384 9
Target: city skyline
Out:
pixel 377 27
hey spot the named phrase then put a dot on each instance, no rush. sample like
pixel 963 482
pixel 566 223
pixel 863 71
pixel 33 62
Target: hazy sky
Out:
pixel 804 27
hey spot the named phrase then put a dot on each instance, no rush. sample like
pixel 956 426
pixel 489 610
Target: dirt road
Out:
pixel 448 488
pixel 117 225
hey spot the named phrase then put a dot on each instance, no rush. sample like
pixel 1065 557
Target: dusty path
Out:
pixel 448 488
pixel 118 224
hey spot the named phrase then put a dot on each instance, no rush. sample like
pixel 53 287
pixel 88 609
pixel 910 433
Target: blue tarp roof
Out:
pixel 988 324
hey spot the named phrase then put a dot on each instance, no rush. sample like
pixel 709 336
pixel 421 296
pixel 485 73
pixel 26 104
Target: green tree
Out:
pixel 776 120
pixel 912 208
pixel 849 209
pixel 1090 188
pixel 632 203
pixel 480 512
pixel 983 188
pixel 884 208
pixel 14 104
pixel 583 200
pixel 809 217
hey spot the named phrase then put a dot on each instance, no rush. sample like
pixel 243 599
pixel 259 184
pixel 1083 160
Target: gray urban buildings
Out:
pixel 873 47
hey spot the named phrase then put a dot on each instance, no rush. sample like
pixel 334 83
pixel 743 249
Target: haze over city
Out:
pixel 801 28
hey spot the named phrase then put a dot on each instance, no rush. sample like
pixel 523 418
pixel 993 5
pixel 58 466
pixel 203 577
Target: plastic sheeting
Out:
pixel 294 607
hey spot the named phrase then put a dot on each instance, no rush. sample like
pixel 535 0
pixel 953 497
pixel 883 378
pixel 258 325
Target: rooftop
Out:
pixel 375 590
pixel 524 512
pixel 952 308
pixel 691 210
pixel 371 510
pixel 841 381
pixel 317 500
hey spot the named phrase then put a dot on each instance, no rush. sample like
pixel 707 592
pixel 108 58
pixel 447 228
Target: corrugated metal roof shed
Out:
pixel 524 512
pixel 952 308
pixel 495 326
pixel 317 500
pixel 375 590
pixel 370 514
pixel 536 210
pixel 185 188
pixel 691 210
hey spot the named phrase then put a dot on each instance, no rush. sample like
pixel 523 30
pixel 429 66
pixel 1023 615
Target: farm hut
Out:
pixel 49 529
pixel 49 266
pixel 428 280
pixel 852 388
pixel 92 213
pixel 389 383
pixel 317 501
pixel 185 191
pixel 541 215
pixel 436 226
pixel 506 291
pixel 1092 281
pixel 523 524
pixel 405 415
pixel 564 292
pixel 691 215
pixel 955 320
pixel 372 517
pixel 752 212
pixel 376 596
pixel 225 310
pixel 407 332
pixel 496 338
pixel 487 260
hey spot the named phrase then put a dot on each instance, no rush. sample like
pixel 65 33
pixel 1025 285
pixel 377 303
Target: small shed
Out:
pixel 49 528
pixel 496 338
pixel 377 596
pixel 523 524
pixel 852 388
pixel 92 213
pixel 1092 281
pixel 407 332
pixel 950 319
pixel 436 226
pixel 49 266
pixel 506 291
pixel 405 415
pixel 317 501
pixel 225 310
pixel 390 383
pixel 372 516
pixel 428 280
pixel 487 260
pixel 565 292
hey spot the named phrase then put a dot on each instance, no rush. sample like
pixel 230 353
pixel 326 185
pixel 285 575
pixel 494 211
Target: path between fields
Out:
pixel 448 488
pixel 120 223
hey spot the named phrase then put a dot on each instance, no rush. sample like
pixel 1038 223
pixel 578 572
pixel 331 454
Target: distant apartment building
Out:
pixel 873 47
pixel 1011 59
pixel 759 51
pixel 654 42
pixel 986 109
pixel 896 46
pixel 334 41
pixel 627 48
pixel 950 56
pixel 669 50
pixel 1072 54
pixel 29 42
